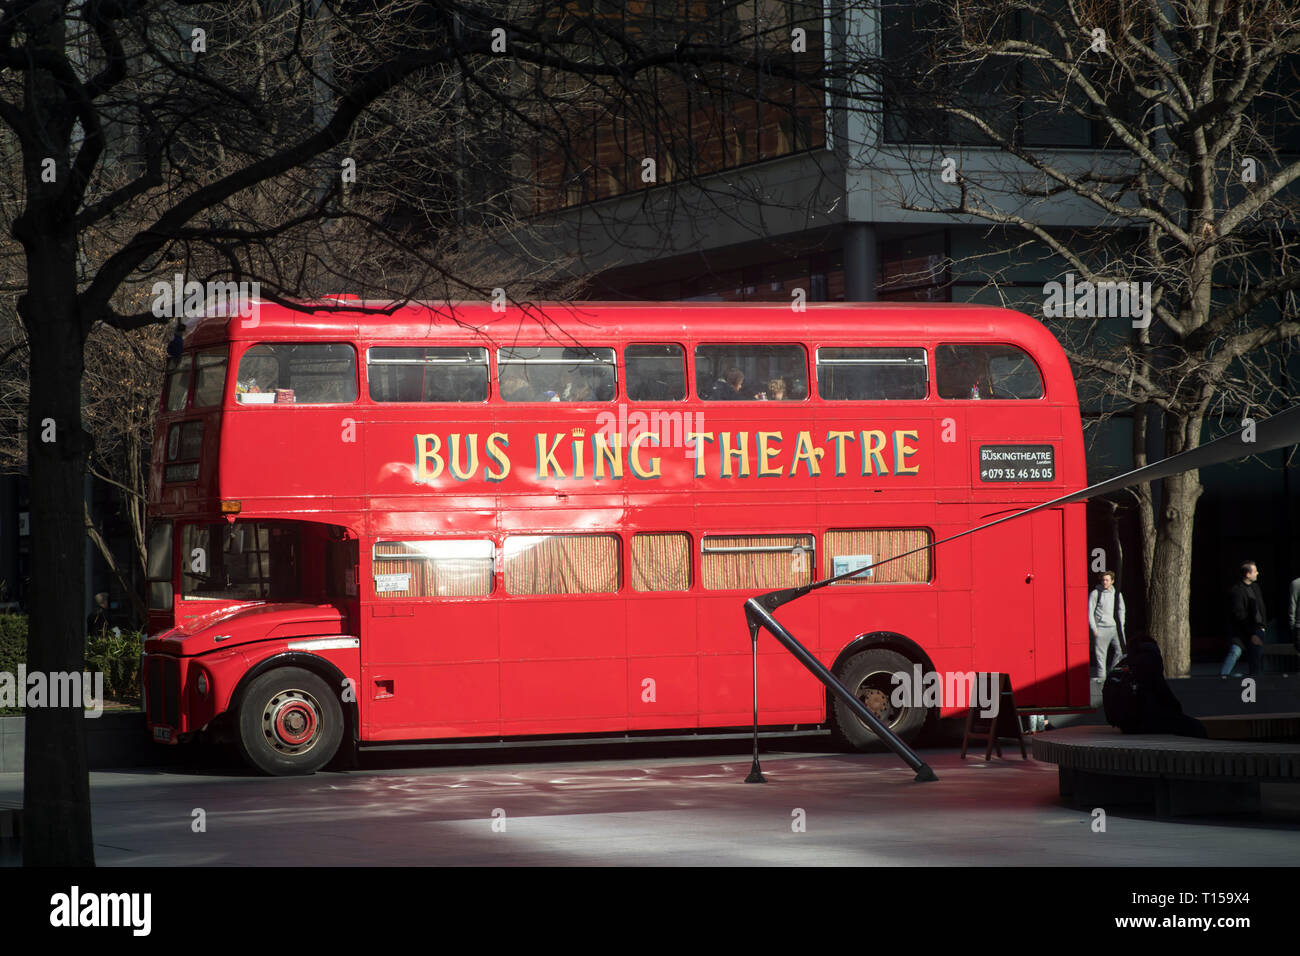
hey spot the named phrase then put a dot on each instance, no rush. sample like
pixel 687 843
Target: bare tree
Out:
pixel 1189 109
pixel 247 141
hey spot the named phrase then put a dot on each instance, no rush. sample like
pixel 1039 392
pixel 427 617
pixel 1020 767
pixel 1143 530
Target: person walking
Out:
pixel 1105 621
pixel 1295 613
pixel 1246 621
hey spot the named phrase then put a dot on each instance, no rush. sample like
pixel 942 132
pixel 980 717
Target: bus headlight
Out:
pixel 202 684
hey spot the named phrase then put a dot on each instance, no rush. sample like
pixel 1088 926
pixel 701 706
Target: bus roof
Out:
pixel 565 322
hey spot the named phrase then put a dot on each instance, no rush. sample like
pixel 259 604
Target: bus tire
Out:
pixel 869 675
pixel 290 722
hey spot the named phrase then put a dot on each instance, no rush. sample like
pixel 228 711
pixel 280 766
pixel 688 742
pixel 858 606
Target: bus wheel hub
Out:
pixel 875 701
pixel 291 719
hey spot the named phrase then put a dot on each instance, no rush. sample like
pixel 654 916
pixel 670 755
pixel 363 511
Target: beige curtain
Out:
pixel 757 570
pixel 562 564
pixel 881 544
pixel 433 577
pixel 661 562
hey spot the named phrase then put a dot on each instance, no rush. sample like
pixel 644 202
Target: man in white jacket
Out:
pixel 1105 621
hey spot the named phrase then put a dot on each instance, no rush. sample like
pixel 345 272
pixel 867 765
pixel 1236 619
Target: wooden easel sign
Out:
pixel 1004 726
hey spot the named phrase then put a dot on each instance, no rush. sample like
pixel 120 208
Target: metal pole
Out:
pixel 755 771
pixel 757 616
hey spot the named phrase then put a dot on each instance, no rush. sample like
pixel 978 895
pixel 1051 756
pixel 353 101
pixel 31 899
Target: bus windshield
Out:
pixel 241 561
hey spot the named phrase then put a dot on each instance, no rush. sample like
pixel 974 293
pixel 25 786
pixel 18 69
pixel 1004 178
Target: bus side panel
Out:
pixel 431 670
pixel 663 671
pixel 563 664
pixel 787 692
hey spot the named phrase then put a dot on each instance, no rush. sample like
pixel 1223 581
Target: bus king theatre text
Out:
pixel 574 455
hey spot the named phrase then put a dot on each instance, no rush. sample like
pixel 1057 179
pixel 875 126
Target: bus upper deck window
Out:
pixel 178 383
pixel 986 371
pixel 744 372
pixel 420 374
pixel 287 372
pixel 871 374
pixel 209 377
pixel 655 373
pixel 570 374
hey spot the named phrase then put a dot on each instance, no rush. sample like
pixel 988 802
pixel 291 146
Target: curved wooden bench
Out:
pixel 1097 766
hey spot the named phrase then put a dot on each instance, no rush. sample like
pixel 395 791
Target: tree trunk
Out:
pixel 56 783
pixel 1169 593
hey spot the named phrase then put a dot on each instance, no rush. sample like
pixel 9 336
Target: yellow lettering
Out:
pixel 428 463
pixel 741 452
pixel 578 449
pixel 808 453
pixel 604 454
pixel 765 453
pixel 496 445
pixel 697 449
pixel 901 451
pixel 546 455
pixel 838 437
pixel 634 456
pixel 466 473
pixel 873 445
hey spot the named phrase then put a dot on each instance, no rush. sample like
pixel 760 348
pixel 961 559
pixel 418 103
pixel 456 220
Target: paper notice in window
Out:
pixel 386 583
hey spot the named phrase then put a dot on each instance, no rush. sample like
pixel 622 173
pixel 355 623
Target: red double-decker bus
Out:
pixel 455 524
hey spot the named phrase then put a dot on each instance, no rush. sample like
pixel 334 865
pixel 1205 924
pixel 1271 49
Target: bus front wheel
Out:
pixel 290 722
pixel 870 676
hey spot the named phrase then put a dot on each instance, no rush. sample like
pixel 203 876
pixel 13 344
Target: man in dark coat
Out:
pixel 1246 620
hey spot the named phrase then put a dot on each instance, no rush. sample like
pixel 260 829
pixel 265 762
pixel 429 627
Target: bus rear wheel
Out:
pixel 290 722
pixel 869 675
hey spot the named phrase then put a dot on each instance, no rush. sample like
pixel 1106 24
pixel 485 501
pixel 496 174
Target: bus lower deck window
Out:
pixel 562 564
pixel 757 561
pixel 661 562
pixel 433 568
pixel 867 548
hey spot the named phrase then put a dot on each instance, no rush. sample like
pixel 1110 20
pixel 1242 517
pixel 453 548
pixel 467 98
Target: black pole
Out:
pixel 757 617
pixel 755 771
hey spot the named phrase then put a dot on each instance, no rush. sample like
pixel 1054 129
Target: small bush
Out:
pixel 118 657
pixel 13 648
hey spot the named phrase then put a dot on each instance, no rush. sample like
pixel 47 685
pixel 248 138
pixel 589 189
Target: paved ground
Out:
pixel 663 804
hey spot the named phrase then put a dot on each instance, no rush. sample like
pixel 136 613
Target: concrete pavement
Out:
pixel 656 804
